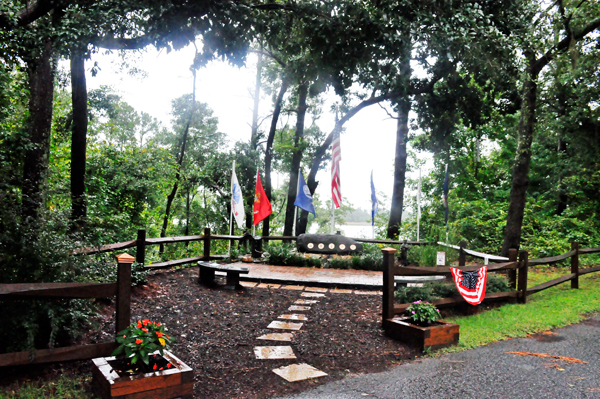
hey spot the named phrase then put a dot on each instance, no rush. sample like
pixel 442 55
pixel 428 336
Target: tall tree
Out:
pixel 571 26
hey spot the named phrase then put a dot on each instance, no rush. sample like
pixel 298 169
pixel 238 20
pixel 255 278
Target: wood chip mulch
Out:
pixel 216 332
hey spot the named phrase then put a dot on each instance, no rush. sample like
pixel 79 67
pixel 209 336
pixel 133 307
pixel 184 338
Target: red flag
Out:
pixel 336 156
pixel 262 206
pixel 471 285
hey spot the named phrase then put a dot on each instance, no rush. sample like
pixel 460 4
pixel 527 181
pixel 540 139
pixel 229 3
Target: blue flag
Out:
pixel 375 204
pixel 304 197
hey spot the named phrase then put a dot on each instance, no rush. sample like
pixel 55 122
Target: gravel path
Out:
pixel 489 371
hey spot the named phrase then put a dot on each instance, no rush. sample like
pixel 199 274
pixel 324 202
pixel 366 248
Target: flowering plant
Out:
pixel 141 339
pixel 423 312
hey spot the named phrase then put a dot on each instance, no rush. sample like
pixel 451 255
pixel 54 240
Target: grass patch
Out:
pixel 555 307
pixel 63 387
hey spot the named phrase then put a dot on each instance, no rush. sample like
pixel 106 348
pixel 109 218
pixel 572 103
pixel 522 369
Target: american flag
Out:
pixel 336 156
pixel 471 285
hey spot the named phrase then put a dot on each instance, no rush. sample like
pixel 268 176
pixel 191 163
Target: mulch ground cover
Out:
pixel 217 329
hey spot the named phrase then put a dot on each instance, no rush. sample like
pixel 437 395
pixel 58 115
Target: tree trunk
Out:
pixel 520 178
pixel 293 188
pixel 171 196
pixel 41 92
pixel 78 141
pixel 395 220
pixel 269 150
pixel 561 204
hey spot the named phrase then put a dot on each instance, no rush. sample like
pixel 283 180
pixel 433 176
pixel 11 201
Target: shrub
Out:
pixel 438 289
pixel 423 313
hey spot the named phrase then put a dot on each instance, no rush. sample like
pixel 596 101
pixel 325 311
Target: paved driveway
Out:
pixel 489 371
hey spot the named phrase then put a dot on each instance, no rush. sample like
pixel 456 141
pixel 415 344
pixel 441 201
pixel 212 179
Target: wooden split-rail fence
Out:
pixel 516 268
pixel 121 289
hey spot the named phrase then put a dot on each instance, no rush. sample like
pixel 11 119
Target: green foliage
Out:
pixel 65 386
pixel 423 313
pixel 439 289
pixel 141 339
pixel 426 255
pixel 282 255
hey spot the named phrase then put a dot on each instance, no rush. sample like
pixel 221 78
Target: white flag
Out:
pixel 237 200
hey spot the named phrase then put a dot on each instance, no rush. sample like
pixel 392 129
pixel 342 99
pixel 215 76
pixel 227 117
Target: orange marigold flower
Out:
pixel 138 341
pixel 159 334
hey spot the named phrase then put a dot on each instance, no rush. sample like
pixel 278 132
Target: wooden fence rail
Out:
pixel 391 269
pixel 121 290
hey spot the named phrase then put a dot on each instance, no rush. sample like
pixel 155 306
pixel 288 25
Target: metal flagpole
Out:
pixel 419 205
pixel 295 207
pixel 332 217
pixel 231 213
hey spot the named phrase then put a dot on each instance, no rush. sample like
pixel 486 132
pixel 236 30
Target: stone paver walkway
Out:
pixel 267 274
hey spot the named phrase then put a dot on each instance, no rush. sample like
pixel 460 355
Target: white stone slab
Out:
pixel 284 325
pixel 306 302
pixel 294 316
pixel 296 308
pixel 278 337
pixel 316 289
pixel 298 372
pixel 274 352
pixel 312 295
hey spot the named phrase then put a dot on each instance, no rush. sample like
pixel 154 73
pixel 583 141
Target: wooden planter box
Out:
pixel 438 335
pixel 177 382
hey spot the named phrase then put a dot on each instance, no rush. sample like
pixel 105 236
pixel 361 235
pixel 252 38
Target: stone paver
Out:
pixel 278 337
pixel 303 275
pixel 306 301
pixel 263 285
pixel 299 317
pixel 296 308
pixel 274 352
pixel 292 287
pixel 298 372
pixel 316 289
pixel 357 292
pixel 248 284
pixel 340 291
pixel 312 295
pixel 282 325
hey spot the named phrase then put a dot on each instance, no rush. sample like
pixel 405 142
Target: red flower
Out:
pixel 139 325
pixel 124 336
pixel 138 341
pixel 167 335
pixel 144 322
pixel 158 324
pixel 159 334
pixel 169 365
pixel 144 329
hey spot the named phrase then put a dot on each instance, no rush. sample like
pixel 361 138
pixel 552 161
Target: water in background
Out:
pixel 350 230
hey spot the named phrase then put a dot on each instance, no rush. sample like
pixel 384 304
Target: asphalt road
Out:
pixel 488 371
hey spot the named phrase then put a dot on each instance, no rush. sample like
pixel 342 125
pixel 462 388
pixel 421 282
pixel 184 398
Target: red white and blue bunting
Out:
pixel 471 285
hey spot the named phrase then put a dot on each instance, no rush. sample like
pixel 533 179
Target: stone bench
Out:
pixel 207 274
pixel 403 281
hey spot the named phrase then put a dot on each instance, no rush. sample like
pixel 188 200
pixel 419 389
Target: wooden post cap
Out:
pixel 389 249
pixel 125 258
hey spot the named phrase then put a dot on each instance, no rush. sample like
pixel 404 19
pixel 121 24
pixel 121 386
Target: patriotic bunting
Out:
pixel 471 285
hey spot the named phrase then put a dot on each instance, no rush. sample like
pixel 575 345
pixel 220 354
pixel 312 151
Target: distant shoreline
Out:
pixel 357 224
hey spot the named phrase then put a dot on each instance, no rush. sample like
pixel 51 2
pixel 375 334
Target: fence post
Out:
pixel 512 273
pixel 124 262
pixel 524 264
pixel 388 284
pixel 206 253
pixel 462 255
pixel 575 265
pixel 140 252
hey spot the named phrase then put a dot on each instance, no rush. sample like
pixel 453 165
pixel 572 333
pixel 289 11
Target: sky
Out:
pixel 368 142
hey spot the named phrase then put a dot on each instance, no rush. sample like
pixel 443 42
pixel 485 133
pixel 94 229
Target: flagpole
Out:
pixel 419 205
pixel 332 216
pixel 231 213
pixel 295 207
